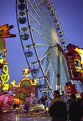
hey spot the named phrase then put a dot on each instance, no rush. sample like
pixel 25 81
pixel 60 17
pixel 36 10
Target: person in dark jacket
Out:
pixel 75 111
pixel 58 108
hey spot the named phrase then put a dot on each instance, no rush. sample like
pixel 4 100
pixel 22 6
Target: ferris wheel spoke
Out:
pixel 51 82
pixel 43 57
pixel 33 8
pixel 40 45
pixel 48 68
pixel 36 31
pixel 41 1
pixel 34 19
pixel 38 2
pixel 37 46
pixel 36 5
pixel 34 62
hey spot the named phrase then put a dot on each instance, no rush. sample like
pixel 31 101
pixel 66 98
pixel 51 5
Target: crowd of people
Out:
pixel 61 111
pixel 57 107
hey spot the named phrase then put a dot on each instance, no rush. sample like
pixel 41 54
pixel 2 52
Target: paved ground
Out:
pixel 22 117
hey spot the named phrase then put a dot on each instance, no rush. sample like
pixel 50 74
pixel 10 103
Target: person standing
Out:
pixel 58 108
pixel 75 110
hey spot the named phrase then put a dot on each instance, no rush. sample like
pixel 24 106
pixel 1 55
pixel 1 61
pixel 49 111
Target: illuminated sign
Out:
pixel 4 31
pixel 4 76
pixel 74 58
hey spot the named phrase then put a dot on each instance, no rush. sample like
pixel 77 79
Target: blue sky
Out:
pixel 70 13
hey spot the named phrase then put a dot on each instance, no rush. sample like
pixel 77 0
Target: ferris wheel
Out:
pixel 43 43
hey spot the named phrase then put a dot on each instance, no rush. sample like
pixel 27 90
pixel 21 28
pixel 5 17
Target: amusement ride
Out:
pixel 43 43
pixel 51 63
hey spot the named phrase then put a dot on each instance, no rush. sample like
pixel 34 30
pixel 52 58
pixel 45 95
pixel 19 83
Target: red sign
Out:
pixel 75 62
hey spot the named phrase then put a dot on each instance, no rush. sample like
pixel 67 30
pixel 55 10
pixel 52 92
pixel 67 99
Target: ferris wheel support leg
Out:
pixel 58 69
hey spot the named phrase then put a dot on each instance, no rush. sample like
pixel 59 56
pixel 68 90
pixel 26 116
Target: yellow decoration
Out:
pixel 13 83
pixel 5 75
pixel 79 51
pixel 33 82
pixel 4 28
pixel 26 72
pixel 5 87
